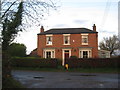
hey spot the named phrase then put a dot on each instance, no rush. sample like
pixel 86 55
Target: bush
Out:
pixel 34 62
pixel 59 62
pixel 74 57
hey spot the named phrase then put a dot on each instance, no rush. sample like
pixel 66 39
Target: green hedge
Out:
pixel 34 62
pixel 72 62
pixel 93 62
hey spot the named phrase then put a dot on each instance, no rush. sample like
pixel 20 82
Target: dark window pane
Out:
pixel 66 39
pixel 48 54
pixel 85 54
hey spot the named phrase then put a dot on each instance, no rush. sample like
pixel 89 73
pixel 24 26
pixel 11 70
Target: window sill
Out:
pixel 48 44
pixel 84 43
pixel 66 44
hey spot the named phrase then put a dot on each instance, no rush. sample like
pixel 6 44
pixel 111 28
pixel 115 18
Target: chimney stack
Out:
pixel 94 28
pixel 41 29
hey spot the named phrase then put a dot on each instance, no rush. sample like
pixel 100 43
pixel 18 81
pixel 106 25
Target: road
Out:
pixel 38 79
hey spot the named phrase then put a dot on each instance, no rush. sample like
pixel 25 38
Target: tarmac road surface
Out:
pixel 39 79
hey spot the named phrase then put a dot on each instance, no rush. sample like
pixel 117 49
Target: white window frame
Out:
pixel 49 50
pixel 84 36
pixel 85 49
pixel 64 39
pixel 51 42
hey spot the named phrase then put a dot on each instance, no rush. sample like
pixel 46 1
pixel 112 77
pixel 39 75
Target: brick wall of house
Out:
pixel 58 44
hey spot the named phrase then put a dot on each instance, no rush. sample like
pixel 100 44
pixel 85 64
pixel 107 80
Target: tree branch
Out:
pixel 8 9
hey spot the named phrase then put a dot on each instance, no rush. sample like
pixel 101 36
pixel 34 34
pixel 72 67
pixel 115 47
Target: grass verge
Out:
pixel 9 82
pixel 96 70
pixel 62 69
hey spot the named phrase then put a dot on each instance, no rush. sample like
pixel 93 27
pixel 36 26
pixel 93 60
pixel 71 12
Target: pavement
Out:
pixel 39 79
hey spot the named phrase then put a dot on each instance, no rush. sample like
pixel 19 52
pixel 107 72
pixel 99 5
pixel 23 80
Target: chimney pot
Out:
pixel 94 28
pixel 42 29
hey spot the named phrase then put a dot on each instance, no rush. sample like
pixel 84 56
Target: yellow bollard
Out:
pixel 66 65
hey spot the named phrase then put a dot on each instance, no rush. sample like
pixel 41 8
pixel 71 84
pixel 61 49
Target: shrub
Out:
pixel 74 57
pixel 59 62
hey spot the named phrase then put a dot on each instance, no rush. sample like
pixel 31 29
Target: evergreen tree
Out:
pixel 11 27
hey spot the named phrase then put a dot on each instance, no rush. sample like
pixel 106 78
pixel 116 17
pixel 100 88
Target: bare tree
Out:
pixel 34 10
pixel 32 13
pixel 110 43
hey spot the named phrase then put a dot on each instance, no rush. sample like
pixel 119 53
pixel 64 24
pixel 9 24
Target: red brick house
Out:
pixel 65 42
pixel 33 53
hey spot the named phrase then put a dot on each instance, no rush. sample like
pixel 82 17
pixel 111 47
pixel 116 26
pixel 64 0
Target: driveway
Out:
pixel 38 79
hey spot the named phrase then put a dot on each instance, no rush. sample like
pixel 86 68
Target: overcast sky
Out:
pixel 77 14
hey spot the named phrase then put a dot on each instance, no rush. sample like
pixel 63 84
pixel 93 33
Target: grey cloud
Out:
pixel 105 31
pixel 60 25
pixel 80 21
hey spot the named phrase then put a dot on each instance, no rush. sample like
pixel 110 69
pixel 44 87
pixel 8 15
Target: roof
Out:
pixel 103 50
pixel 67 31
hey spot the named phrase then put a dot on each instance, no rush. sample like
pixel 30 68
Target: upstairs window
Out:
pixel 84 39
pixel 48 40
pixel 67 39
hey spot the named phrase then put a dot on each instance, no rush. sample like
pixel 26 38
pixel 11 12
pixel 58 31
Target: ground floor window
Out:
pixel 49 53
pixel 85 54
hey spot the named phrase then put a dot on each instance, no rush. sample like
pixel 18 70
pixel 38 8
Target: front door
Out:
pixel 66 54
